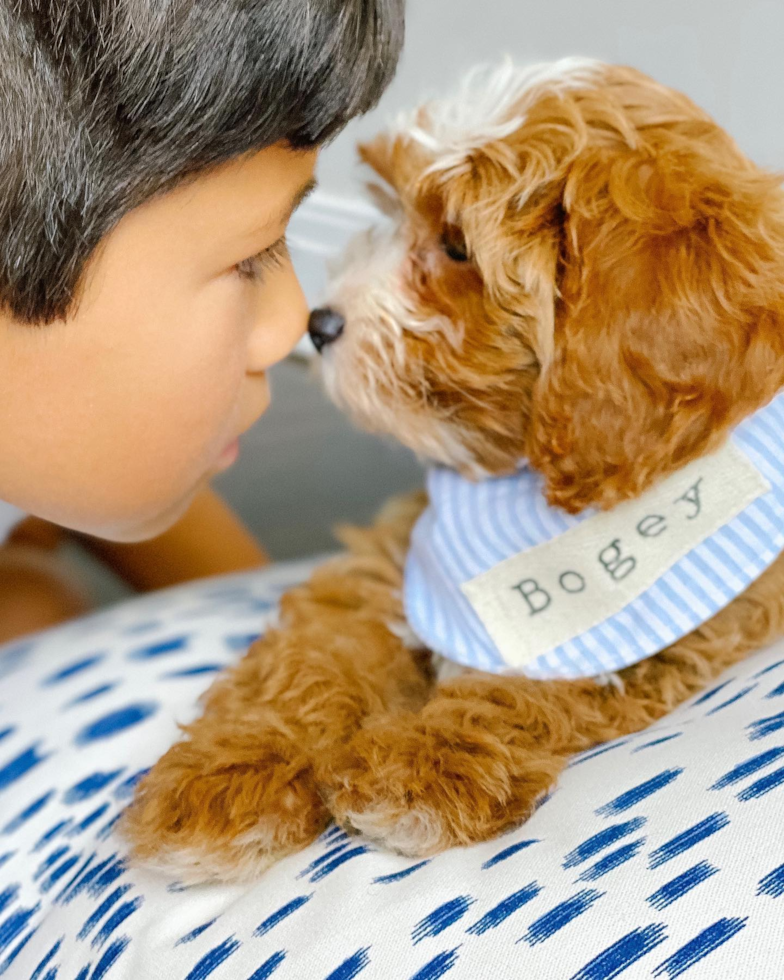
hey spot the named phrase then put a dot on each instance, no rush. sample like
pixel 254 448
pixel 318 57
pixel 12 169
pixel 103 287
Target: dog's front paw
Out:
pixel 420 788
pixel 224 809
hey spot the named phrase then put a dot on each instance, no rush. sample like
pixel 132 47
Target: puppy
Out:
pixel 577 301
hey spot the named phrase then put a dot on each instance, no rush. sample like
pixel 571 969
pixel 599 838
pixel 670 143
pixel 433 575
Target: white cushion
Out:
pixel 659 855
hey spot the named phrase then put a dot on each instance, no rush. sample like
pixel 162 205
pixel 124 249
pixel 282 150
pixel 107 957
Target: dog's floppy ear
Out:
pixel 378 154
pixel 396 159
pixel 669 326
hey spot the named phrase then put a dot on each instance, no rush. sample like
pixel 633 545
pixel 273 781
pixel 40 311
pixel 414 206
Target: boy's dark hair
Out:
pixel 108 102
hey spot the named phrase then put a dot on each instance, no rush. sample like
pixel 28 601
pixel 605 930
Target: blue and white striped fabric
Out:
pixel 658 857
pixel 469 528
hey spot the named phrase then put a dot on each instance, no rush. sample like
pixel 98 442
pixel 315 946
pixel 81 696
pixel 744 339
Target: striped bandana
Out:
pixel 498 580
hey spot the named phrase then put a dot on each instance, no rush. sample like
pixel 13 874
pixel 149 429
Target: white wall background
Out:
pixel 725 54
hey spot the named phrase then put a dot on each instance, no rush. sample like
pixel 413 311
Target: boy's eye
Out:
pixel 253 268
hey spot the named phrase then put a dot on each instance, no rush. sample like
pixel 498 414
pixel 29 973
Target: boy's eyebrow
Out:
pixel 285 213
pixel 305 191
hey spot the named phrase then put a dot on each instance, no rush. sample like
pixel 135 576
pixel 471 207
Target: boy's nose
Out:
pixel 325 326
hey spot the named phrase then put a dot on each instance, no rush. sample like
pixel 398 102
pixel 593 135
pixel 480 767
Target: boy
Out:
pixel 152 153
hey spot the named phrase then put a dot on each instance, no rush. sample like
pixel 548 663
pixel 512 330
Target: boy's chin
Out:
pixel 147 528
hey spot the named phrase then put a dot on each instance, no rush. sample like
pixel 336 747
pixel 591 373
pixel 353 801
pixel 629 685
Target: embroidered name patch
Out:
pixel 535 601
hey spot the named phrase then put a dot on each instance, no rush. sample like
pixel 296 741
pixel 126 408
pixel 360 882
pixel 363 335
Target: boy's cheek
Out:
pixel 126 469
pixel 169 450
pixel 126 417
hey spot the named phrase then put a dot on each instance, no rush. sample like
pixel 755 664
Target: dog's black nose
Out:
pixel 325 326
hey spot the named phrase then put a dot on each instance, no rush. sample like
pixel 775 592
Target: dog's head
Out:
pixel 580 268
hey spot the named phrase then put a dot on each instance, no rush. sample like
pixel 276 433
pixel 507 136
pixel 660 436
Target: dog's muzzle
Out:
pixel 325 326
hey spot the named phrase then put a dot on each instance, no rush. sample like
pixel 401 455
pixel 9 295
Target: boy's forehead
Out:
pixel 247 196
pixel 281 215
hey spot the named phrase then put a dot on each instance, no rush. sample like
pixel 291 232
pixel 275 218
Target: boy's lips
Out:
pixel 229 455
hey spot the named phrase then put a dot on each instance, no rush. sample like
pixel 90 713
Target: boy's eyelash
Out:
pixel 254 267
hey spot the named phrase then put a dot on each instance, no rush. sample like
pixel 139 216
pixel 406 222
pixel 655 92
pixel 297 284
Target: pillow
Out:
pixel 659 856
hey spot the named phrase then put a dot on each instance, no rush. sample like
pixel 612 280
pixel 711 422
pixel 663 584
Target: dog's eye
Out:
pixel 454 244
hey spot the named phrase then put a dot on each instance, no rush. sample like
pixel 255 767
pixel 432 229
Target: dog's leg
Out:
pixel 239 791
pixel 475 761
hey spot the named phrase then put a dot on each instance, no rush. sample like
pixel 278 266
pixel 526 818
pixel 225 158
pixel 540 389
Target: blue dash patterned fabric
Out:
pixel 658 856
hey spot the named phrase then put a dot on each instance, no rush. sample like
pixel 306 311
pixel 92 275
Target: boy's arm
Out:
pixel 208 540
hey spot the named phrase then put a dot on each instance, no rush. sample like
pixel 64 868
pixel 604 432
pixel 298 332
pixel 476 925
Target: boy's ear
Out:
pixel 669 327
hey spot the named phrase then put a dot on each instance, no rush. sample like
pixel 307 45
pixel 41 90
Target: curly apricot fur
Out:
pixel 622 309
